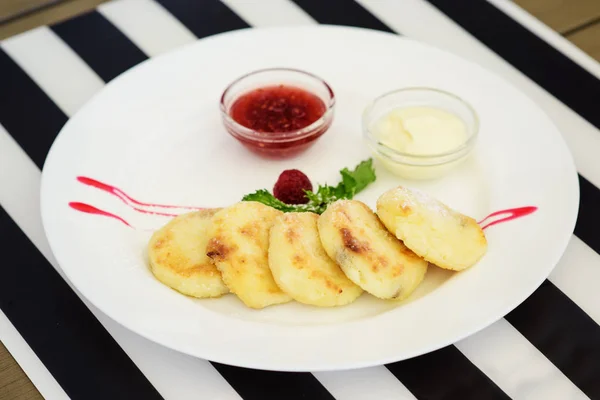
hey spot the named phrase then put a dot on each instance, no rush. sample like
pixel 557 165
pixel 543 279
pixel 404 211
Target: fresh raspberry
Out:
pixel 290 187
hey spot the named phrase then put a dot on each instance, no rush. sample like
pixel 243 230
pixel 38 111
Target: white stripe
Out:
pixel 41 378
pixel 516 366
pixel 147 24
pixel 435 28
pixel 51 64
pixel 549 35
pixel 577 275
pixel 364 384
pixel 270 12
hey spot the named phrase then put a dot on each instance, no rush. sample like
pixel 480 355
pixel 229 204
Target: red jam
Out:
pixel 277 109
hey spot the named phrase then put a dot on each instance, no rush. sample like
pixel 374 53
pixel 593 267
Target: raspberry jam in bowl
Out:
pixel 277 112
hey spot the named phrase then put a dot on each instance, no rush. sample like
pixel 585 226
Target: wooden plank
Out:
pixel 14 384
pixel 588 40
pixel 14 8
pixel 47 16
pixel 562 15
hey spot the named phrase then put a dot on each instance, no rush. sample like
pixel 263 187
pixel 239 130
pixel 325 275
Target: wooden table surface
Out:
pixel 577 20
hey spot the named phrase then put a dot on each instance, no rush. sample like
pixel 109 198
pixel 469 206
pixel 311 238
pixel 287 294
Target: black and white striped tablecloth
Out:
pixel 547 348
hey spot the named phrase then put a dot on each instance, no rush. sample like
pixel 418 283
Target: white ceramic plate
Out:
pixel 155 132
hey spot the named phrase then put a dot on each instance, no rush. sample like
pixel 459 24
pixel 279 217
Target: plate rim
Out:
pixel 327 366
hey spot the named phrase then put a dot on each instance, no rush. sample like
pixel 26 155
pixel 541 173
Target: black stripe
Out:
pixel 342 12
pixel 100 44
pixel 445 374
pixel 253 384
pixel 63 333
pixel 588 219
pixel 548 67
pixel 206 17
pixel 26 112
pixel 565 334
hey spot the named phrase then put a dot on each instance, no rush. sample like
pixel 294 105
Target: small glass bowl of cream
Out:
pixel 420 133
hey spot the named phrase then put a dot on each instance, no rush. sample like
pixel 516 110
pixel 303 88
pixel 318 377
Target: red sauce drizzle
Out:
pixel 86 208
pixel 125 198
pixel 511 214
pixel 277 109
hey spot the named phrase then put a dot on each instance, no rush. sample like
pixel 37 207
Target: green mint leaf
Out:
pixel 358 179
pixel 263 196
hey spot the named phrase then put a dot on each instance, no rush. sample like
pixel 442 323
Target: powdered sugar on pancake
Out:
pixel 411 198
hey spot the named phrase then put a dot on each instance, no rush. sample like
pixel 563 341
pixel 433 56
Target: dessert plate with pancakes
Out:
pixel 142 206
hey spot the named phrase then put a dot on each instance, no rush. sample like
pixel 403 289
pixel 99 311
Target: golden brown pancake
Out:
pixel 431 229
pixel 302 268
pixel 368 254
pixel 177 254
pixel 239 247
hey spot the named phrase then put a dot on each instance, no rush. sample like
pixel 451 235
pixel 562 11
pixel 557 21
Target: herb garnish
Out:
pixel 352 183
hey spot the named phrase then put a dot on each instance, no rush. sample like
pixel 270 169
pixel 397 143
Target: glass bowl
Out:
pixel 420 166
pixel 278 144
